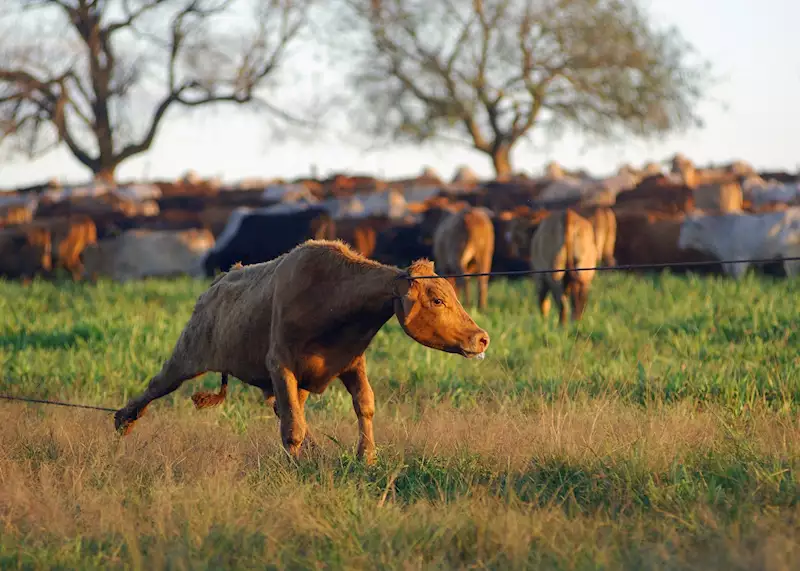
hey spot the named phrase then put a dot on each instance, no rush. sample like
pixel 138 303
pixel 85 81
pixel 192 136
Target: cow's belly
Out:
pixel 318 370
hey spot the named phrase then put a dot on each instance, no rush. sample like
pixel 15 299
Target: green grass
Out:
pixel 659 433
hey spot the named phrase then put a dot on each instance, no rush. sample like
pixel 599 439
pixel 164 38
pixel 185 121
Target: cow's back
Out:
pixel 231 321
pixel 549 249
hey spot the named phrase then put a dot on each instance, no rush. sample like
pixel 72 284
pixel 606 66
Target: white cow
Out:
pixel 137 254
pixel 744 237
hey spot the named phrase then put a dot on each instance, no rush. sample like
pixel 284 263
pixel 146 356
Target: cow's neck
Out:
pixel 369 305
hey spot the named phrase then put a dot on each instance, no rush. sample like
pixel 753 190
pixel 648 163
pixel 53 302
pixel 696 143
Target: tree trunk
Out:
pixel 105 175
pixel 501 159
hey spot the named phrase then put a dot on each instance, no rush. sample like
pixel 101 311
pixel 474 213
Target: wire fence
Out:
pixel 621 267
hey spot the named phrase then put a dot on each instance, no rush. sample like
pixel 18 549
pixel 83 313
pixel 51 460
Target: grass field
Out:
pixel 662 432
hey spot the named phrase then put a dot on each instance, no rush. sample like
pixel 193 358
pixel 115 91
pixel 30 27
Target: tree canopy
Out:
pixel 486 72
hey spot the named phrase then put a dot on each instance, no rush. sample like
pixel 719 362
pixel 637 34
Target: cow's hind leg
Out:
pixel 561 300
pixel 542 291
pixel 357 384
pixel 206 399
pixel 171 376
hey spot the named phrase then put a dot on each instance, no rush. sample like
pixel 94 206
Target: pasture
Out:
pixel 661 432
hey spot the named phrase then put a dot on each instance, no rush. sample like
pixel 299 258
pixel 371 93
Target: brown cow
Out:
pixel 652 238
pixel 563 241
pixel 25 251
pixel 15 214
pixel 464 243
pixel 658 193
pixel 70 237
pixel 291 325
pixel 362 233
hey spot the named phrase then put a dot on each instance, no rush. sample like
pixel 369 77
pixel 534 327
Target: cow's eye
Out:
pixel 437 301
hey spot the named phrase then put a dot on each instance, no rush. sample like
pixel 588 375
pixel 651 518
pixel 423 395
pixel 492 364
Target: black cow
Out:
pixel 400 245
pixel 255 237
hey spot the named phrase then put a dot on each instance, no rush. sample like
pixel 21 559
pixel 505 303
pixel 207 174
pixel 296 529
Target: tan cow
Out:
pixel 604 223
pixel 292 325
pixel 464 243
pixel 563 241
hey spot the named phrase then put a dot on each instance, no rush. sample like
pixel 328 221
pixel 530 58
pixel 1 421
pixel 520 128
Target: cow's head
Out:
pixel 518 237
pixel 430 313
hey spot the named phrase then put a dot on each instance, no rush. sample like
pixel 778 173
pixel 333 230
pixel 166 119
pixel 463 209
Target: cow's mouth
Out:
pixel 479 355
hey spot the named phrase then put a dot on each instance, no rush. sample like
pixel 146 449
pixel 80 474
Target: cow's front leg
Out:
pixel 290 411
pixel 302 396
pixel 357 384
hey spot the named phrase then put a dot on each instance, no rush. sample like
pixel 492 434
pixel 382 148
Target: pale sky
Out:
pixel 754 115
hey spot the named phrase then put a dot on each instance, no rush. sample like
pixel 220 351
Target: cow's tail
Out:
pixel 209 399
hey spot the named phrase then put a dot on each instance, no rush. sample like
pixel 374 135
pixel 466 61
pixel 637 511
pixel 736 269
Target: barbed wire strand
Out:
pixel 506 273
pixel 58 403
pixel 613 268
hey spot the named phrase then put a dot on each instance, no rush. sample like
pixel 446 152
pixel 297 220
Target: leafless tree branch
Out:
pixel 91 97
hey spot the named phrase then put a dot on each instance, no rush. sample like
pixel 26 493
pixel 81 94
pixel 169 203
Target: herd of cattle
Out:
pixel 192 227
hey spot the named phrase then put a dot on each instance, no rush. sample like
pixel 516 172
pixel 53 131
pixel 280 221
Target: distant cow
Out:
pixel 25 252
pixel 744 237
pixel 652 238
pixel 660 193
pixel 292 325
pixel 69 238
pixel 724 197
pixel 604 223
pixel 464 243
pixel 251 237
pixel 563 241
pixel 362 233
pixel 137 254
pixel 400 244
pixel 519 232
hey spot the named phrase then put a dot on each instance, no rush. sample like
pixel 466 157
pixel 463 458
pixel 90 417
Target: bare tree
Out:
pixel 486 72
pixel 100 75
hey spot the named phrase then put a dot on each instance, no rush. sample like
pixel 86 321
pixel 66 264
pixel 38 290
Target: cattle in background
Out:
pixel 255 236
pixel 744 237
pixel 658 192
pixel 96 206
pixel 604 223
pixel 507 257
pixel 463 242
pixel 69 237
pixel 564 241
pixel 138 254
pixel 518 231
pixel 362 233
pixel 399 244
pixel 25 251
pixel 724 197
pixel 652 238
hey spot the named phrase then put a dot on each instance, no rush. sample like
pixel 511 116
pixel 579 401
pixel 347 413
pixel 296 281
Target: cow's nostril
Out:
pixel 483 341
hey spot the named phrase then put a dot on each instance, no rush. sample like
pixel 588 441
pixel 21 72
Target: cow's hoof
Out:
pixel 369 457
pixel 124 420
